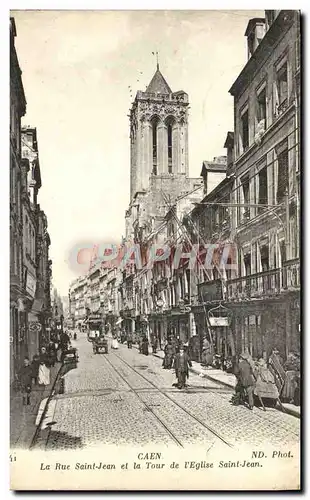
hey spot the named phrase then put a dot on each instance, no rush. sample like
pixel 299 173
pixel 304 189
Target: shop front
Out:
pixel 130 321
pixel 18 335
pixel 263 325
pixel 178 325
pixel 158 328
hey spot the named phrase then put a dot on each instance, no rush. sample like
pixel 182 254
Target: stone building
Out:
pixel 109 298
pixel 44 275
pixel 79 301
pixel 18 341
pixel 30 185
pixel 266 194
pixel 30 266
pixel 159 175
pixel 209 225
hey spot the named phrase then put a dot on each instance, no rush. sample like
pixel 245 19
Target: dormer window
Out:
pixel 255 32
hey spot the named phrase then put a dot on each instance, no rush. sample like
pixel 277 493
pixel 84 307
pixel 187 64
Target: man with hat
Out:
pixel 181 363
pixel 245 376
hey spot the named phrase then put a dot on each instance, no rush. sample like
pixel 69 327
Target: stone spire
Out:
pixel 158 84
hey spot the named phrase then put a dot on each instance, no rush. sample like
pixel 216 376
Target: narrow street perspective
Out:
pixel 125 397
pixel 155 230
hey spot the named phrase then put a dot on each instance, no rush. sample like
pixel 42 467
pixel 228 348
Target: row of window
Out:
pixel 258 184
pixel 262 118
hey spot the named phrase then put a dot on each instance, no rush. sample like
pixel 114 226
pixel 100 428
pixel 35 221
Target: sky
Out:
pixel 77 70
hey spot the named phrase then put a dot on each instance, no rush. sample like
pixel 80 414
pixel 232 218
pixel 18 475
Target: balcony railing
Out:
pixel 267 283
pixel 291 274
pixel 254 285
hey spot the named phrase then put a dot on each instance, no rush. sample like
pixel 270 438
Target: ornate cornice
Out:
pixel 162 110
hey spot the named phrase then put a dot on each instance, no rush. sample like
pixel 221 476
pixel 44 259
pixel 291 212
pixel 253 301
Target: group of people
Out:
pixel 37 371
pixel 266 381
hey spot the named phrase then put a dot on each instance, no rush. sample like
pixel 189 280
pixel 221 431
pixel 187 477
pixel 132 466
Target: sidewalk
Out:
pixel 228 380
pixel 23 417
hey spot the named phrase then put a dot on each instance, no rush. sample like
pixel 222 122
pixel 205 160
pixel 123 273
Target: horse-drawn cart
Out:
pixel 100 343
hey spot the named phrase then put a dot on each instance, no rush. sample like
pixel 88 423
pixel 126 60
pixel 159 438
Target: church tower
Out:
pixel 158 135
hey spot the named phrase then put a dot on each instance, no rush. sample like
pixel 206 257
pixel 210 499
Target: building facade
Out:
pixel 159 175
pixel 17 111
pixel 30 266
pixel 265 296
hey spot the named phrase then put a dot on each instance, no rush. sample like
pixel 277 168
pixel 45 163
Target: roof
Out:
pixel 209 166
pixel 276 32
pixel 229 141
pixel 158 84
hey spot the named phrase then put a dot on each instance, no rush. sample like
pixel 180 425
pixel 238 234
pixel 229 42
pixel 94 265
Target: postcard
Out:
pixel 155 328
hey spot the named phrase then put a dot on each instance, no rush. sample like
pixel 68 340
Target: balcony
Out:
pixel 265 284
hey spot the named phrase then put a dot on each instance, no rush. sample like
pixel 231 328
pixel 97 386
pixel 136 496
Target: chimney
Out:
pixel 255 33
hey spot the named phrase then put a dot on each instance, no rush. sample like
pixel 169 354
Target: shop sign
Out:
pixel 211 290
pixel 219 321
pixel 94 317
pixel 31 284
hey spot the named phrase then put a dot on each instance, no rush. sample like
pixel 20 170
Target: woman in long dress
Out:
pixel 44 370
pixel 114 343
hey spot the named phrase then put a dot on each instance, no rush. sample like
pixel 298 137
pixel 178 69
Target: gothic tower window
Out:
pixel 154 144
pixel 170 148
pixel 169 125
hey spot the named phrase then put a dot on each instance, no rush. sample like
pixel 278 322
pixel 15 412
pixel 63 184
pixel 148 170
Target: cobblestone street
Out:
pixel 127 398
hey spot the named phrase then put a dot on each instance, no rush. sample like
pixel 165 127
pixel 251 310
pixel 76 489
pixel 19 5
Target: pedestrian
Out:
pixel 129 340
pixel 52 353
pixel 169 355
pixel 194 348
pixel 44 369
pixel 292 371
pixel 64 342
pixel 246 377
pixel 181 364
pixel 140 340
pixel 265 386
pixel 154 343
pixel 145 346
pixel 206 357
pixel 35 368
pixel 25 378
pixel 238 396
pixel 114 342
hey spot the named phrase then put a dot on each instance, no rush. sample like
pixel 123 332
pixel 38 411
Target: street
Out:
pixel 127 398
